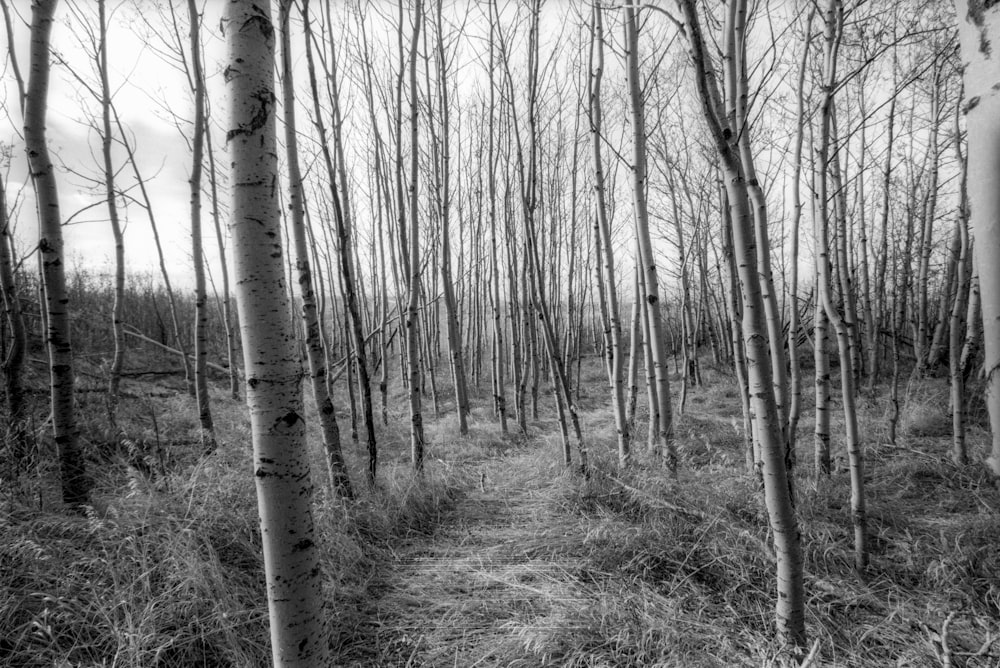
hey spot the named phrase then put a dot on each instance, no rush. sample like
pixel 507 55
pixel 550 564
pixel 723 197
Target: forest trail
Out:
pixel 495 571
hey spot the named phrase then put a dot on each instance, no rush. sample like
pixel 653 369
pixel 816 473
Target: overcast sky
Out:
pixel 144 87
pixel 147 89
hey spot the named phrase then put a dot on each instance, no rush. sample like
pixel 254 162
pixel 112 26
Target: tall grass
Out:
pixel 529 565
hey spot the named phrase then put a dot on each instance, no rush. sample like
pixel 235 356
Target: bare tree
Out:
pixel 73 474
pixel 270 352
pixel 336 467
pixel 656 340
pixel 978 27
pixel 607 260
pixel 200 296
pixel 768 430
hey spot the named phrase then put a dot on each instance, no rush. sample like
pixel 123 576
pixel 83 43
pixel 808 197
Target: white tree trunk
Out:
pixel 648 263
pixel 270 353
pixel 201 298
pixel 978 30
pixel 75 486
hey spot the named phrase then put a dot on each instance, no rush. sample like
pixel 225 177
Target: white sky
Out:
pixel 139 78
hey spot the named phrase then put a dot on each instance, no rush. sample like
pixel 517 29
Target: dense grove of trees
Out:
pixel 494 190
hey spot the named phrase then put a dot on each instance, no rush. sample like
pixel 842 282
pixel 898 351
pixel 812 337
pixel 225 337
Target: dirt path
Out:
pixel 489 576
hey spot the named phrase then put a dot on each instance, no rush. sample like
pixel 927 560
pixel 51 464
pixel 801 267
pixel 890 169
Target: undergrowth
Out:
pixel 621 568
pixel 165 569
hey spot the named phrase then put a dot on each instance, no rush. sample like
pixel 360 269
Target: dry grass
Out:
pixel 500 557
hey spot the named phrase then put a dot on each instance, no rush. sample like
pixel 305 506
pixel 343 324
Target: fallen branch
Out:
pixel 811 657
pixel 131 331
pixel 152 372
pixel 656 501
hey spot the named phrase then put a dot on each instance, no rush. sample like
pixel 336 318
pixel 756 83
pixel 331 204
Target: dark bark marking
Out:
pixel 303 545
pixel 290 418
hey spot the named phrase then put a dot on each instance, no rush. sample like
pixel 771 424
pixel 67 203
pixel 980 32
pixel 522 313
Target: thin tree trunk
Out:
pixel 117 309
pixel 737 97
pixel 172 302
pixel 499 393
pixel 921 340
pixel 201 300
pixel 72 467
pixel 13 362
pixel 443 199
pixel 795 375
pixel 412 315
pixel 959 453
pixel 616 345
pixel 978 27
pixel 232 349
pixel 833 30
pixel 880 297
pixel 790 607
pixel 648 263
pixel 972 319
pixel 336 468
pixel 342 220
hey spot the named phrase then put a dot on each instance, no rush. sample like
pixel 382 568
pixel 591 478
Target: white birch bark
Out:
pixel 978 30
pixel 768 425
pixel 72 470
pixel 336 469
pixel 197 254
pixel 655 340
pixel 270 353
pixel 607 257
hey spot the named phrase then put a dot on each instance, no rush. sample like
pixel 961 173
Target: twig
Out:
pixel 811 657
pixel 131 331
pixel 987 644
pixel 656 501
pixel 945 650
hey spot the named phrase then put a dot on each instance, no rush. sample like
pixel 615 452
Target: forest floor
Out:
pixel 532 565
pixel 495 566
pixel 500 556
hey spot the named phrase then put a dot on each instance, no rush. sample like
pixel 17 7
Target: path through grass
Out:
pixel 495 570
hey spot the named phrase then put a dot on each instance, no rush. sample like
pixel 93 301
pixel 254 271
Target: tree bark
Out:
pixel 412 313
pixel 117 308
pixel 72 468
pixel 281 462
pixel 655 340
pixel 610 292
pixel 832 34
pixel 978 29
pixel 342 221
pixel 336 468
pixel 13 362
pixel 201 299
pixel 959 453
pixel 790 606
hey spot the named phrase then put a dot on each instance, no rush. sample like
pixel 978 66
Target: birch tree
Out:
pixel 336 468
pixel 413 262
pixel 13 363
pixel 270 353
pixel 790 605
pixel 656 339
pixel 14 356
pixel 834 21
pixel 343 224
pixel 978 30
pixel 200 295
pixel 117 308
pixel 608 258
pixel 72 469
